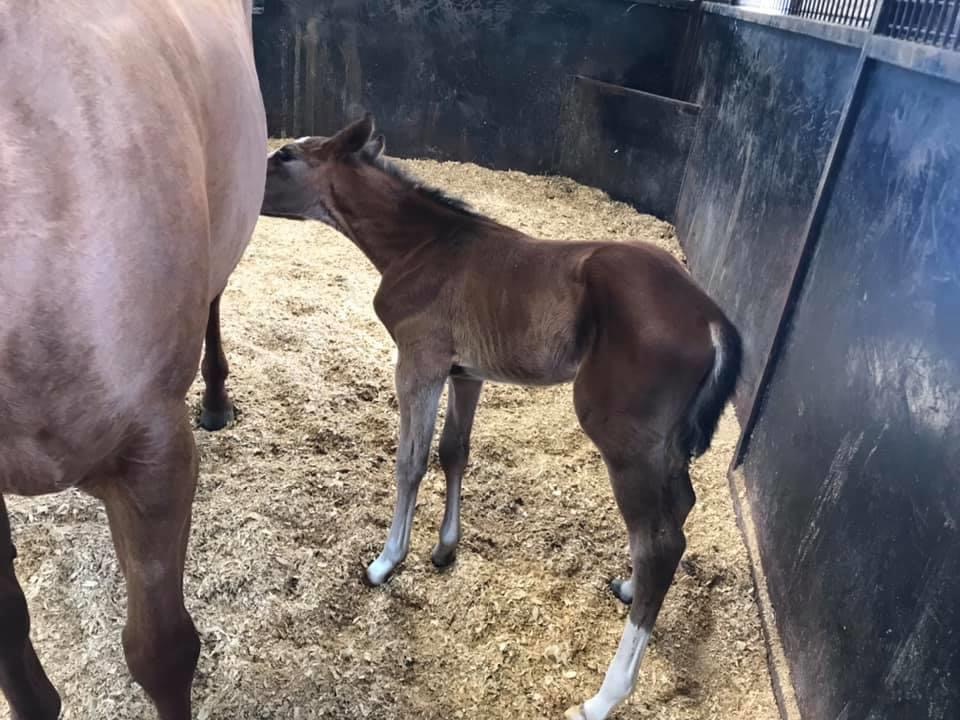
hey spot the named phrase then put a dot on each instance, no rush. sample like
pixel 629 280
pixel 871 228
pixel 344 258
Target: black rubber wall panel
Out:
pixel 482 81
pixel 770 102
pixel 854 465
pixel 632 144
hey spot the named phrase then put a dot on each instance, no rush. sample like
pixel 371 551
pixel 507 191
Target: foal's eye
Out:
pixel 284 154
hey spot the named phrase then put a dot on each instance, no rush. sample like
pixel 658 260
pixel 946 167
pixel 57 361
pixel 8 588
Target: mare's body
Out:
pixel 132 141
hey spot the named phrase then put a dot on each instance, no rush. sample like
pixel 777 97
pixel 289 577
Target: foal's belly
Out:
pixel 518 372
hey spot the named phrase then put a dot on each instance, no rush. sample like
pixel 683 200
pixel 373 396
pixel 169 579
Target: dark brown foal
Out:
pixel 132 139
pixel 653 360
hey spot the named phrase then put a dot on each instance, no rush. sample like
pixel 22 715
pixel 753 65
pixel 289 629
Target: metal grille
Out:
pixel 932 22
pixel 854 13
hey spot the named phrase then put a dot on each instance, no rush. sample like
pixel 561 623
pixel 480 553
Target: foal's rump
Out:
pixel 662 350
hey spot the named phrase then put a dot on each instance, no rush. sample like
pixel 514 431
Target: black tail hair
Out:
pixel 715 389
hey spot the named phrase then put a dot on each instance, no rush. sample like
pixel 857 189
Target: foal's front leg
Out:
pixel 419 386
pixel 463 395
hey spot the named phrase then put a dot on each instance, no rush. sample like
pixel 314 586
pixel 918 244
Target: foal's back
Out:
pixel 528 310
pixel 131 166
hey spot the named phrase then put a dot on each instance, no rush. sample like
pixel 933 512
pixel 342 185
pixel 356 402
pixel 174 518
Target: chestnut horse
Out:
pixel 132 157
pixel 653 360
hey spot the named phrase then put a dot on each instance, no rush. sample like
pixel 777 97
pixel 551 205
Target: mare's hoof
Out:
pixel 575 713
pixel 214 420
pixel 443 558
pixel 619 589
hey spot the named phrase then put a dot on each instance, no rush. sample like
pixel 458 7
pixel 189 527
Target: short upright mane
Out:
pixel 439 196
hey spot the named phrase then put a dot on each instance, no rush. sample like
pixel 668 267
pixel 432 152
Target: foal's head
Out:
pixel 306 179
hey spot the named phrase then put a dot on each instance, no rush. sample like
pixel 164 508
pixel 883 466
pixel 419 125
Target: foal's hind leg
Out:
pixel 683 499
pixel 149 512
pixel 419 386
pixel 463 395
pixel 655 525
pixel 217 409
pixel 22 680
pixel 633 427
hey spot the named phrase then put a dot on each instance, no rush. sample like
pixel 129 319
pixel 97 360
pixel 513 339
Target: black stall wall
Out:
pixel 770 101
pixel 481 81
pixel 854 463
pixel 632 144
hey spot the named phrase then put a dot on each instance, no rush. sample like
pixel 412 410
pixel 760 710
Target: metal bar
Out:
pixel 942 31
pixel 856 9
pixel 828 10
pixel 956 32
pixel 836 6
pixel 846 12
pixel 910 23
pixel 811 232
pixel 896 19
pixel 836 10
pixel 889 25
pixel 952 29
pixel 849 12
pixel 920 24
pixel 859 11
pixel 926 21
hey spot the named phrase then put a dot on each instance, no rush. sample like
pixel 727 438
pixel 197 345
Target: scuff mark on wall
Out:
pixel 829 493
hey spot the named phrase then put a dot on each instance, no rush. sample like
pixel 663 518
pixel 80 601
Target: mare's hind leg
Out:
pixel 462 401
pixel 419 386
pixel 22 680
pixel 217 409
pixel 149 511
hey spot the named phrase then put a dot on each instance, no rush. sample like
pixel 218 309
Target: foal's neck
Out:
pixel 390 222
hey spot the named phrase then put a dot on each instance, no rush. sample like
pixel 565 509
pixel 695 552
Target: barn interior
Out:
pixel 802 158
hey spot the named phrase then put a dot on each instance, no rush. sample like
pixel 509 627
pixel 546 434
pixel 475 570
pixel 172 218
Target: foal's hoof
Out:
pixel 622 590
pixel 442 557
pixel 575 713
pixel 214 420
pixel 378 572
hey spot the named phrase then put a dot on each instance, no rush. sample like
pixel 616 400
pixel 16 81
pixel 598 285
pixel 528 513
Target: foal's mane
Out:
pixel 440 197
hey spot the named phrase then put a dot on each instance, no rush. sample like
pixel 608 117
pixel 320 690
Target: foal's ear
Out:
pixel 353 137
pixel 375 147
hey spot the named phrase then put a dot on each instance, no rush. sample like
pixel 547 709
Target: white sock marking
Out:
pixel 621 676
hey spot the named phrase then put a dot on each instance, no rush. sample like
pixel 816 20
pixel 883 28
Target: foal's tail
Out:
pixel 715 388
